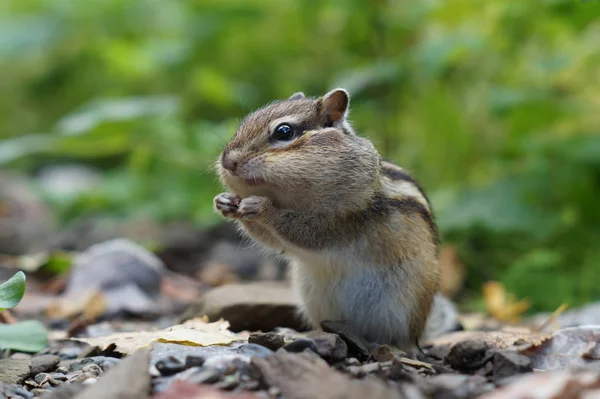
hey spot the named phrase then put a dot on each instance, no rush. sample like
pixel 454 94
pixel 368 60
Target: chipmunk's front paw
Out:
pixel 227 204
pixel 253 207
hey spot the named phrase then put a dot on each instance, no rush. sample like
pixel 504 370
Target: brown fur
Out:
pixel 327 191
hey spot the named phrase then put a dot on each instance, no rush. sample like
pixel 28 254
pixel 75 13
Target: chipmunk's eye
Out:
pixel 283 132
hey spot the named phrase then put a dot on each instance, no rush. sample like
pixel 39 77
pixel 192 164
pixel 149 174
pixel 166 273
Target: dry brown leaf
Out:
pixel 560 384
pixel 568 348
pixel 495 339
pixel 91 305
pixel 417 364
pixel 194 332
pixel 453 271
pixel 501 305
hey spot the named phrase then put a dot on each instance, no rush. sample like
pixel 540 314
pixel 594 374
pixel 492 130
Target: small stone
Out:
pixel 352 361
pixel 108 363
pixel 253 306
pixel 79 364
pixel 467 355
pixel 205 376
pixel 43 363
pixel 193 361
pixel 329 346
pixel 59 376
pixel 357 345
pixel 24 393
pixel 254 350
pixel 365 369
pixel 269 340
pixel 14 371
pixel 230 382
pixel 41 377
pixel 300 345
pixel 62 369
pixel 169 366
pixel 90 381
pixel 92 370
pixel 31 383
pixel 507 364
pixel 382 353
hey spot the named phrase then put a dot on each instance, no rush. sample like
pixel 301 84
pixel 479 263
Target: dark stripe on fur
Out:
pixel 383 207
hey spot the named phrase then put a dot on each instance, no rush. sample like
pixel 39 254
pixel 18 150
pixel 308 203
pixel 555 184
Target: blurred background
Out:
pixel 114 111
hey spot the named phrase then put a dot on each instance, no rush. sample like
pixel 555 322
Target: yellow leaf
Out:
pixel 194 332
pixel 501 305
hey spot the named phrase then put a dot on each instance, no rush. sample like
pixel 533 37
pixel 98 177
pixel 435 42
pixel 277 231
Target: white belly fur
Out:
pixel 341 288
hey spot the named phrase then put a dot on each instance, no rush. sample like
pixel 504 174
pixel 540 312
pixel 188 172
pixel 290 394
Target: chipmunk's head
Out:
pixel 300 151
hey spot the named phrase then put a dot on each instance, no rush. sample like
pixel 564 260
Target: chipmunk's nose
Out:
pixel 229 161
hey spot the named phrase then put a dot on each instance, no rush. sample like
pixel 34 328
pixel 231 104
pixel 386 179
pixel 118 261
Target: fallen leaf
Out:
pixel 91 305
pixel 194 332
pixel 453 271
pixel 568 348
pixel 523 339
pixel 501 305
pixel 26 336
pixel 560 384
pixel 417 364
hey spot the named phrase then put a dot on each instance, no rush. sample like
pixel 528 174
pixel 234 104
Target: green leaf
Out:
pixel 26 336
pixel 12 291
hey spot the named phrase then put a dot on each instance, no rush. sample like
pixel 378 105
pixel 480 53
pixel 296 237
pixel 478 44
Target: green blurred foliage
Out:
pixel 492 104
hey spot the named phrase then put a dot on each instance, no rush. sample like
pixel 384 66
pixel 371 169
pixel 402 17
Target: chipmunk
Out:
pixel 358 230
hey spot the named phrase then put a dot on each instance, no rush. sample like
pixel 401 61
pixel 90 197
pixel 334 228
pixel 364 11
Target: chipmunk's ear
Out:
pixel 297 96
pixel 335 104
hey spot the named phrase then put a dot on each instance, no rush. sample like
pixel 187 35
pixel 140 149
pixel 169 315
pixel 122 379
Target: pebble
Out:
pixel 357 346
pixel 329 346
pixel 193 361
pixel 254 350
pixel 92 370
pixel 103 362
pixel 24 393
pixel 270 340
pixel 230 382
pixel 90 381
pixel 382 353
pixel 300 345
pixel 44 363
pixel 170 365
pixel 467 355
pixel 59 376
pixel 39 378
pixel 508 364
pixel 204 376
pixel 361 371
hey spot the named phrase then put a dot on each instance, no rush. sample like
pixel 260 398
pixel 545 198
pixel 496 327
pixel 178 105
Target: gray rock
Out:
pixel 128 274
pixel 357 345
pixel 14 371
pixel 507 364
pixel 44 363
pixel 300 345
pixel 270 340
pixel 467 355
pixel 329 346
pixel 39 378
pixel 259 306
pixel 129 380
